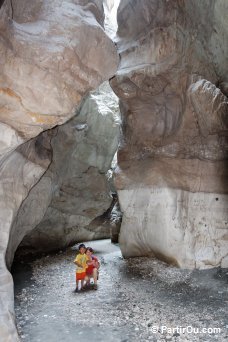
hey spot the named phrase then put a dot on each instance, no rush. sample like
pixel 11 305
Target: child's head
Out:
pixel 89 251
pixel 82 248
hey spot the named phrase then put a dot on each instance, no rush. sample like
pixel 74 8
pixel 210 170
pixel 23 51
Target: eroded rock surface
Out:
pixel 66 204
pixel 46 67
pixel 52 54
pixel 172 176
pixel 19 173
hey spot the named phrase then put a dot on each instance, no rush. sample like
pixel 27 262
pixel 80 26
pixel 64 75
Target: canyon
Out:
pixel 61 124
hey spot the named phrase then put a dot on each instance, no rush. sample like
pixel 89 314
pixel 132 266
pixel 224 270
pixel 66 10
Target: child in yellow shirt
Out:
pixel 81 264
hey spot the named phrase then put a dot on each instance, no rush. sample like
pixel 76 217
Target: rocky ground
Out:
pixel 138 299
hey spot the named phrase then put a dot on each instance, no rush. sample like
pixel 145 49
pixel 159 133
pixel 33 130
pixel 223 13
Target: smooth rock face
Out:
pixel 172 176
pixel 52 54
pixel 19 173
pixel 46 67
pixel 177 213
pixel 65 205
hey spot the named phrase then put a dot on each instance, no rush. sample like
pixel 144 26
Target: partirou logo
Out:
pixel 184 330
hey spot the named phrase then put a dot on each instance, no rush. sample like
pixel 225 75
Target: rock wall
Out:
pixel 65 205
pixel 20 171
pixel 46 67
pixel 173 86
pixel 52 54
pixel 172 176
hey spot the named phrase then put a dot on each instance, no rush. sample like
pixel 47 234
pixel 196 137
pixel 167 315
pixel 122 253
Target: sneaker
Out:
pixel 76 290
pixel 95 286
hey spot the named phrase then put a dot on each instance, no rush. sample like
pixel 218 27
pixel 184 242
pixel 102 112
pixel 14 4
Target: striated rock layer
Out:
pixel 173 171
pixel 52 54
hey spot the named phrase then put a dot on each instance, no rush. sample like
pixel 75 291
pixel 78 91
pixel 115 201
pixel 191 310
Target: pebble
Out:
pixel 160 296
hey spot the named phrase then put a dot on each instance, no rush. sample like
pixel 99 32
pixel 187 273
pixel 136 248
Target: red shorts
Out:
pixel 89 270
pixel 89 273
pixel 80 276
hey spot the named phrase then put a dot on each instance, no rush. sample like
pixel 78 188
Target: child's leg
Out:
pixel 87 280
pixel 83 277
pixel 77 282
pixel 95 276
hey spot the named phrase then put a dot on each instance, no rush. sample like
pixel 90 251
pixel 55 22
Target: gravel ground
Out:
pixel 139 299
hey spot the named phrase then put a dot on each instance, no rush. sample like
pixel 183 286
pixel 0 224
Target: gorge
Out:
pixel 72 94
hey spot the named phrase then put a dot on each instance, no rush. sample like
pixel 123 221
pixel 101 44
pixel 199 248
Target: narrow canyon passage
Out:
pixel 114 121
pixel 134 296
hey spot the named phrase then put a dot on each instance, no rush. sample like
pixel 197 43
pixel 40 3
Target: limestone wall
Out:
pixel 64 206
pixel 52 54
pixel 172 176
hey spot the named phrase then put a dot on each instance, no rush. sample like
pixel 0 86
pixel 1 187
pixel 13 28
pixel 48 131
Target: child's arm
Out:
pixel 96 263
pixel 77 263
pixel 89 262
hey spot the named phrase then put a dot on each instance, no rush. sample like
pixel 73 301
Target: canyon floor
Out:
pixel 136 299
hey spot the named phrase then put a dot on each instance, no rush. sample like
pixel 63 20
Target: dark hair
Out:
pixel 81 246
pixel 89 249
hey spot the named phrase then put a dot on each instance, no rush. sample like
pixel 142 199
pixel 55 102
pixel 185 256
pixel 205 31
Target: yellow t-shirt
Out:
pixel 81 259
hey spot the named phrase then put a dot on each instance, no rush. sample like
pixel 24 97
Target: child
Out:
pixel 92 267
pixel 80 261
